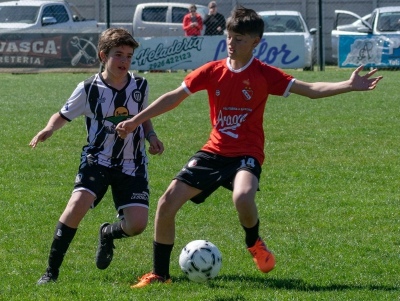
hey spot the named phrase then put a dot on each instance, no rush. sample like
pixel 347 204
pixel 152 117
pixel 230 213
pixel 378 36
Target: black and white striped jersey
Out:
pixel 104 107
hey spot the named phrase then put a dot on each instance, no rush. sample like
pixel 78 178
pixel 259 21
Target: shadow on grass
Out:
pixel 292 284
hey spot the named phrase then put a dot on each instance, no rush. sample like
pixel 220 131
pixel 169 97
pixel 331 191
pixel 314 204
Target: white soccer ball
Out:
pixel 200 260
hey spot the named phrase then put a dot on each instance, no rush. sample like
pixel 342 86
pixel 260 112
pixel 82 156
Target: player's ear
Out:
pixel 103 56
pixel 256 41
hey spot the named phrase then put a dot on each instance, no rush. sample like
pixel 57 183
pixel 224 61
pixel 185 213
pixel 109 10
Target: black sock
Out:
pixel 251 234
pixel 61 240
pixel 161 258
pixel 115 231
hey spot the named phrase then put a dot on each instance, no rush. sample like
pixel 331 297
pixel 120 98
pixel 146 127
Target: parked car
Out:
pixel 43 16
pixel 160 19
pixel 289 23
pixel 382 21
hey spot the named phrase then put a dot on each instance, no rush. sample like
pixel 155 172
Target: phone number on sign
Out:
pixel 171 60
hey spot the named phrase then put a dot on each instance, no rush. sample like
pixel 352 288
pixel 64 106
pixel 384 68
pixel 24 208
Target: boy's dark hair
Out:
pixel 245 21
pixel 115 37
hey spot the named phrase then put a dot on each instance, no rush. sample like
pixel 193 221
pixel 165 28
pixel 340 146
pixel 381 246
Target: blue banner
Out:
pixel 377 51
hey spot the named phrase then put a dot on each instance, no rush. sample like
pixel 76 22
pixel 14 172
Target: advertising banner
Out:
pixel 369 50
pixel 23 50
pixel 27 50
pixel 169 53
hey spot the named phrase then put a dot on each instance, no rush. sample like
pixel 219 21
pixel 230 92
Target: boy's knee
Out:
pixel 134 230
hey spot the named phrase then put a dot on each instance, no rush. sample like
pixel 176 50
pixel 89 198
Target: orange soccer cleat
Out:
pixel 263 258
pixel 150 278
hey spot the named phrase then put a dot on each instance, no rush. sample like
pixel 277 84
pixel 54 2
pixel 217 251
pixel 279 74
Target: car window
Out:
pixel 178 13
pixel 389 21
pixel 77 16
pixel 20 14
pixel 371 19
pixel 282 23
pixel 56 11
pixel 155 14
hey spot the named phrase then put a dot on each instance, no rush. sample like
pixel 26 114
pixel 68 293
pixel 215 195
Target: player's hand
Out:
pixel 43 135
pixel 124 128
pixel 362 83
pixel 156 146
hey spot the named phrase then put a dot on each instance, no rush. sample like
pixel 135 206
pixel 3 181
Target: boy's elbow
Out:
pixel 313 96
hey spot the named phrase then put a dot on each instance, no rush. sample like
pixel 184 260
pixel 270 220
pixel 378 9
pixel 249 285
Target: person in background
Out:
pixel 214 22
pixel 192 22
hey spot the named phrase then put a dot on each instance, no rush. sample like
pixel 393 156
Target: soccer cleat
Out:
pixel 48 277
pixel 262 257
pixel 150 278
pixel 105 252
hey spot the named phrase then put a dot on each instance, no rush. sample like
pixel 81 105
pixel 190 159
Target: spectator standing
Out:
pixel 214 22
pixel 192 22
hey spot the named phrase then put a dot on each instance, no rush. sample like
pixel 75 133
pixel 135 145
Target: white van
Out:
pixel 158 19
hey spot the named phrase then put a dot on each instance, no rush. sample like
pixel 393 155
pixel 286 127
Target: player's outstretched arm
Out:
pixel 365 82
pixel 356 82
pixel 55 122
pixel 163 104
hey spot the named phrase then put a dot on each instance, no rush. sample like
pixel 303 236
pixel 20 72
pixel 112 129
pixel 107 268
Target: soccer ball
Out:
pixel 200 260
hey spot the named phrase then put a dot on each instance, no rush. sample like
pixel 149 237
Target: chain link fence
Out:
pixel 121 13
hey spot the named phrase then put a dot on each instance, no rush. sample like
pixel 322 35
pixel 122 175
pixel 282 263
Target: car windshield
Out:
pixel 282 23
pixel 18 14
pixel 389 21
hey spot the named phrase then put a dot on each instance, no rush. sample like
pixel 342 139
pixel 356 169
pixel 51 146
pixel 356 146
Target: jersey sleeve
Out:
pixel 75 105
pixel 278 81
pixel 197 79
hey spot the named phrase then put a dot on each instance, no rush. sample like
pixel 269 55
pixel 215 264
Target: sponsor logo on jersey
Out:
pixel 66 106
pixel 229 123
pixel 185 170
pixel 120 114
pixel 140 196
pixel 101 100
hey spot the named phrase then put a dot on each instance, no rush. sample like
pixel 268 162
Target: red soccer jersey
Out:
pixel 192 31
pixel 237 101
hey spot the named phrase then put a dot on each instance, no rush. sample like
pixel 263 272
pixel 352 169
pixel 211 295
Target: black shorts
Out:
pixel 126 190
pixel 207 172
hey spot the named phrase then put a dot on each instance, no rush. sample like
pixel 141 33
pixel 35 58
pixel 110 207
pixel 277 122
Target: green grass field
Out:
pixel 328 200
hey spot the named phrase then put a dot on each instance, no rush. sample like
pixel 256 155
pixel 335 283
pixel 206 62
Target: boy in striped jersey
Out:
pixel 105 99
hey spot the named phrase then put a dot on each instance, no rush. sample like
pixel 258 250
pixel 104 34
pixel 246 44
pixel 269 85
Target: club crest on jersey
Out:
pixel 192 163
pixel 137 95
pixel 247 93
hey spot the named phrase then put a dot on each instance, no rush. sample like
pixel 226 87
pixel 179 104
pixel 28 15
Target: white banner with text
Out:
pixel 173 53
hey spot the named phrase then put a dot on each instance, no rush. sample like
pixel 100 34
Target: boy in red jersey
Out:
pixel 238 88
